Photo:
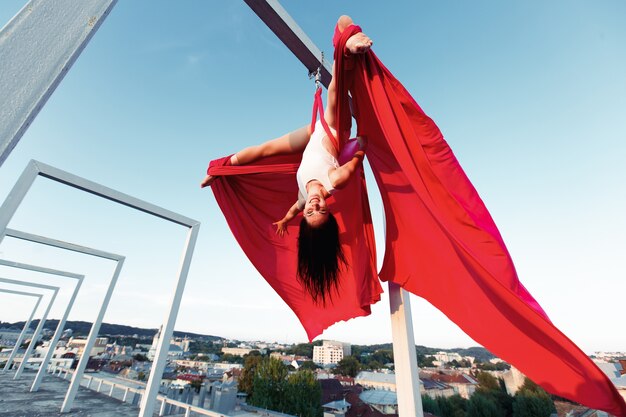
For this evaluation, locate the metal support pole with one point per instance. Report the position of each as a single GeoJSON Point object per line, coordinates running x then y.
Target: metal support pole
{"type": "Point", "coordinates": [125, 394]}
{"type": "Point", "coordinates": [405, 360]}
{"type": "Point", "coordinates": [91, 340]}
{"type": "Point", "coordinates": [158, 364]}
{"type": "Point", "coordinates": [51, 34]}
{"type": "Point", "coordinates": [287, 30]}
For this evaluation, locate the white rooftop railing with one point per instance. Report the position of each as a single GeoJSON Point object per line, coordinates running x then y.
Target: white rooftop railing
{"type": "Point", "coordinates": [130, 394]}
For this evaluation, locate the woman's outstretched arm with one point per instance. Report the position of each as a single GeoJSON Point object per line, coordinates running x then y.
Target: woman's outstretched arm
{"type": "Point", "coordinates": [281, 225]}
{"type": "Point", "coordinates": [339, 177]}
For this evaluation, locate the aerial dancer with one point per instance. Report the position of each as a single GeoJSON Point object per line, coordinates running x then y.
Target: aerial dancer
{"type": "Point", "coordinates": [440, 243]}
{"type": "Point", "coordinates": [319, 176]}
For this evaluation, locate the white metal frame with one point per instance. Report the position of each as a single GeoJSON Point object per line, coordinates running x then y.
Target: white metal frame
{"type": "Point", "coordinates": [20, 338]}
{"type": "Point", "coordinates": [44, 317]}
{"type": "Point", "coordinates": [12, 203]}
{"type": "Point", "coordinates": [61, 326]}
{"type": "Point", "coordinates": [53, 34]}
{"type": "Point", "coordinates": [95, 328]}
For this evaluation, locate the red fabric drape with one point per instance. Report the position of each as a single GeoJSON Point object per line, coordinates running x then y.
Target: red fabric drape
{"type": "Point", "coordinates": [443, 245]}
{"type": "Point", "coordinates": [441, 242]}
{"type": "Point", "coordinates": [254, 196]}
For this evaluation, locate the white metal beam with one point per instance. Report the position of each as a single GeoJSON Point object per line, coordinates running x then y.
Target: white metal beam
{"type": "Point", "coordinates": [38, 47]}
{"type": "Point", "coordinates": [282, 24]}
{"type": "Point", "coordinates": [404, 356]}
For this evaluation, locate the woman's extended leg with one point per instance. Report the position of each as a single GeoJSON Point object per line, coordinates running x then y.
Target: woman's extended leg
{"type": "Point", "coordinates": [292, 142]}
{"type": "Point", "coordinates": [359, 43]}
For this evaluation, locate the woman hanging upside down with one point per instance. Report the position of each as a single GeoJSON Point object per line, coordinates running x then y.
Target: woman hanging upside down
{"type": "Point", "coordinates": [319, 176]}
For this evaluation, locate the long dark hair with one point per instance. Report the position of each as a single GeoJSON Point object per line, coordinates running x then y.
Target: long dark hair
{"type": "Point", "coordinates": [319, 258]}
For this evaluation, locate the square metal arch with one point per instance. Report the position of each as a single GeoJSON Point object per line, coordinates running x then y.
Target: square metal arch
{"type": "Point", "coordinates": [61, 326]}
{"type": "Point", "coordinates": [18, 342]}
{"type": "Point", "coordinates": [12, 203]}
{"type": "Point", "coordinates": [44, 317]}
{"type": "Point", "coordinates": [95, 328]}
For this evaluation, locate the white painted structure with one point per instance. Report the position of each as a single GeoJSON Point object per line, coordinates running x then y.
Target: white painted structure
{"type": "Point", "coordinates": [59, 331]}
{"type": "Point", "coordinates": [12, 203]}
{"type": "Point", "coordinates": [39, 45]}
{"type": "Point", "coordinates": [20, 338]}
{"type": "Point", "coordinates": [31, 346]}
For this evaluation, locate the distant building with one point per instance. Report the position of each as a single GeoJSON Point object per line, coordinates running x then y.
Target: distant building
{"type": "Point", "coordinates": [513, 379]}
{"type": "Point", "coordinates": [376, 380]}
{"type": "Point", "coordinates": [237, 351]}
{"type": "Point", "coordinates": [331, 352]}
{"type": "Point", "coordinates": [200, 365]}
{"type": "Point", "coordinates": [176, 349]}
{"type": "Point", "coordinates": [99, 346]}
{"type": "Point", "coordinates": [461, 383]}
{"type": "Point", "coordinates": [384, 401]}
{"type": "Point", "coordinates": [223, 397]}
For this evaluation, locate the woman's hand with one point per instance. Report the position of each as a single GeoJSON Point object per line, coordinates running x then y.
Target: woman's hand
{"type": "Point", "coordinates": [281, 227]}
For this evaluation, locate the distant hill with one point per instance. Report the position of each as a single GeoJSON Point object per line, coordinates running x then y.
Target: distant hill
{"type": "Point", "coordinates": [82, 328]}
{"type": "Point", "coordinates": [477, 352]}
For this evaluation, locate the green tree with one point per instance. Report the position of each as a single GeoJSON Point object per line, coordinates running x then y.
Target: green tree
{"type": "Point", "coordinates": [246, 380]}
{"type": "Point", "coordinates": [532, 401]}
{"type": "Point", "coordinates": [453, 406]}
{"type": "Point", "coordinates": [269, 383]}
{"type": "Point", "coordinates": [298, 393]}
{"type": "Point", "coordinates": [383, 356]}
{"type": "Point", "coordinates": [483, 405]}
{"type": "Point", "coordinates": [494, 389]}
{"type": "Point", "coordinates": [227, 357]}
{"type": "Point", "coordinates": [310, 365]}
{"type": "Point", "coordinates": [348, 366]}
{"type": "Point", "coordinates": [487, 382]}
{"type": "Point", "coordinates": [140, 358]}
{"type": "Point", "coordinates": [303, 395]}
{"type": "Point", "coordinates": [425, 361]}
{"type": "Point", "coordinates": [430, 406]}
{"type": "Point", "coordinates": [141, 376]}
{"type": "Point", "coordinates": [373, 365]}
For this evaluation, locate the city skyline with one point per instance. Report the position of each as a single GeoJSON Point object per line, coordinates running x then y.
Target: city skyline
{"type": "Point", "coordinates": [530, 98]}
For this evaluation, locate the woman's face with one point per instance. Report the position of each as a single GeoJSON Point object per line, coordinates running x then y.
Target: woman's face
{"type": "Point", "coordinates": [315, 210]}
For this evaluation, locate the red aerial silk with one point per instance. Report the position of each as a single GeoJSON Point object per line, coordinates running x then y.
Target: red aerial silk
{"type": "Point", "coordinates": [441, 242]}
{"type": "Point", "coordinates": [254, 196]}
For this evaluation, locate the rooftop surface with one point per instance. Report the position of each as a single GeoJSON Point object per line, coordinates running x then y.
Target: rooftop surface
{"type": "Point", "coordinates": [17, 401]}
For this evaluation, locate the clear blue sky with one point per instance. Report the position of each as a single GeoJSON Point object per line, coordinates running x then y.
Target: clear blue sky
{"type": "Point", "coordinates": [530, 95]}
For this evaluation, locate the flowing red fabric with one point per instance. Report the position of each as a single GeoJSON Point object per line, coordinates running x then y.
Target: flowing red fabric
{"type": "Point", "coordinates": [254, 196]}
{"type": "Point", "coordinates": [441, 242]}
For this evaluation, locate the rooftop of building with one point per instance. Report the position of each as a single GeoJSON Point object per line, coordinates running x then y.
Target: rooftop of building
{"type": "Point", "coordinates": [379, 397]}
{"type": "Point", "coordinates": [17, 400]}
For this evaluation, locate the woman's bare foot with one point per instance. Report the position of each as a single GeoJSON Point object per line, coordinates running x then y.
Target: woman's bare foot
{"type": "Point", "coordinates": [359, 43]}
{"type": "Point", "coordinates": [207, 181]}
